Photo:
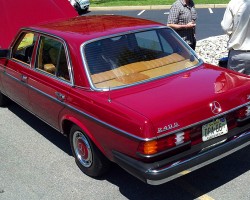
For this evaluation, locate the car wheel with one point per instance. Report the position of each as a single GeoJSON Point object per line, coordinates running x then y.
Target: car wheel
{"type": "Point", "coordinates": [87, 156]}
{"type": "Point", "coordinates": [3, 100]}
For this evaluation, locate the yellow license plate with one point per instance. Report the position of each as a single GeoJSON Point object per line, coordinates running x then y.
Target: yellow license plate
{"type": "Point", "coordinates": [214, 129]}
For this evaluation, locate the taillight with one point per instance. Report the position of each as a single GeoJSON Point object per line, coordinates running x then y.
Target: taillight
{"type": "Point", "coordinates": [163, 144]}
{"type": "Point", "coordinates": [243, 112]}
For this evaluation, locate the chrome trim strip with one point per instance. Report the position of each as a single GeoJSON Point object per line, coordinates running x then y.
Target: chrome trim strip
{"type": "Point", "coordinates": [78, 111]}
{"type": "Point", "coordinates": [127, 134]}
{"type": "Point", "coordinates": [84, 62]}
{"type": "Point", "coordinates": [15, 79]}
{"type": "Point", "coordinates": [31, 87]}
{"type": "Point", "coordinates": [48, 96]}
{"type": "Point", "coordinates": [24, 64]}
{"type": "Point", "coordinates": [120, 130]}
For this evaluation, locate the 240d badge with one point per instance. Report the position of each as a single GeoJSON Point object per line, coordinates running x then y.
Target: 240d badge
{"type": "Point", "coordinates": [168, 127]}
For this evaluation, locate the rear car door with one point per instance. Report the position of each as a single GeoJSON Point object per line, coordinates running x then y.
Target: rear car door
{"type": "Point", "coordinates": [51, 80]}
{"type": "Point", "coordinates": [18, 67]}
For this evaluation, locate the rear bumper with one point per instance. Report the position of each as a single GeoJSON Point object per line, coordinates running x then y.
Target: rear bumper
{"type": "Point", "coordinates": [156, 173]}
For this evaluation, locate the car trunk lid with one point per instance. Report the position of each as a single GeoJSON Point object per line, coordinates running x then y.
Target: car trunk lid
{"type": "Point", "coordinates": [185, 99]}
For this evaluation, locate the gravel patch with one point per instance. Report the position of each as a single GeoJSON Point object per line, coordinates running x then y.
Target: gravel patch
{"type": "Point", "coordinates": [212, 49]}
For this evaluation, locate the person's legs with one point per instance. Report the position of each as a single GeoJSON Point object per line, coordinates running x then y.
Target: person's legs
{"type": "Point", "coordinates": [239, 61]}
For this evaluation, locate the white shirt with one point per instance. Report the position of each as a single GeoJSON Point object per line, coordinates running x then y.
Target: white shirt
{"type": "Point", "coordinates": [236, 23]}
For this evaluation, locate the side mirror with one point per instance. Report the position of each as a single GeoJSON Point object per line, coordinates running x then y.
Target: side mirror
{"type": "Point", "coordinates": [4, 53]}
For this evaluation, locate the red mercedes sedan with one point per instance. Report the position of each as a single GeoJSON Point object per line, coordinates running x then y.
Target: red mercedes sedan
{"type": "Point", "coordinates": [128, 91]}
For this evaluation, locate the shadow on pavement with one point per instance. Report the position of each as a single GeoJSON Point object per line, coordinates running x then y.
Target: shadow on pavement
{"type": "Point", "coordinates": [42, 128]}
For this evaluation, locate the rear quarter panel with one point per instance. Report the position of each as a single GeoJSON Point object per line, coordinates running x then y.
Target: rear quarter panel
{"type": "Point", "coordinates": [109, 125]}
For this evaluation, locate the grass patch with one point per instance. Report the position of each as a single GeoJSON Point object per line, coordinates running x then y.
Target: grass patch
{"type": "Point", "coordinates": [148, 2]}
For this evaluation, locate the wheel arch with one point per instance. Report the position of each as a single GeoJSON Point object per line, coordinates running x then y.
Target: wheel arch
{"type": "Point", "coordinates": [68, 121]}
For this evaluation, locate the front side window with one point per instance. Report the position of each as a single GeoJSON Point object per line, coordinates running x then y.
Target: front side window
{"type": "Point", "coordinates": [23, 49]}
{"type": "Point", "coordinates": [136, 57]}
{"type": "Point", "coordinates": [51, 58]}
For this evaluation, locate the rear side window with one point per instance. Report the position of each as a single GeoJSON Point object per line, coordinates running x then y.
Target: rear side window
{"type": "Point", "coordinates": [23, 49]}
{"type": "Point", "coordinates": [51, 58]}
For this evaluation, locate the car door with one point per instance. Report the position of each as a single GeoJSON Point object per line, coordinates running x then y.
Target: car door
{"type": "Point", "coordinates": [18, 67]}
{"type": "Point", "coordinates": [51, 80]}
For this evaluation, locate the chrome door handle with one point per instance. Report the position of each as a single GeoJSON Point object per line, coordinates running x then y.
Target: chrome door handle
{"type": "Point", "coordinates": [24, 78]}
{"type": "Point", "coordinates": [60, 96]}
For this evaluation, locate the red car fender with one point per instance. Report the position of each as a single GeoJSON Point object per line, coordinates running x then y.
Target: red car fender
{"type": "Point", "coordinates": [77, 122]}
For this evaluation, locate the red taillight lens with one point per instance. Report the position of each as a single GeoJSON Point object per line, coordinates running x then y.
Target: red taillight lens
{"type": "Point", "coordinates": [243, 112]}
{"type": "Point", "coordinates": [162, 144]}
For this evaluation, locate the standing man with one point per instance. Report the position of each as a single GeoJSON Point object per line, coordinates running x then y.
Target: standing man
{"type": "Point", "coordinates": [182, 17]}
{"type": "Point", "coordinates": [236, 24]}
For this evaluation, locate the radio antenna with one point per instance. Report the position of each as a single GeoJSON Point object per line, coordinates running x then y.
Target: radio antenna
{"type": "Point", "coordinates": [109, 98]}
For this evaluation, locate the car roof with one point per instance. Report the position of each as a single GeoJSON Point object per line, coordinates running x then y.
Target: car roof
{"type": "Point", "coordinates": [84, 28]}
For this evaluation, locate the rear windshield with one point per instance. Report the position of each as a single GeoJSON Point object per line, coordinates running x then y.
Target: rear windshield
{"type": "Point", "coordinates": [137, 57]}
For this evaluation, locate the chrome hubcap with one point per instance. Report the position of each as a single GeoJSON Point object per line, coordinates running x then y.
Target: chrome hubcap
{"type": "Point", "coordinates": [82, 149]}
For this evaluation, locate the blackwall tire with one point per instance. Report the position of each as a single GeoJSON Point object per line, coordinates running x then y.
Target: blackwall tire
{"type": "Point", "coordinates": [87, 156]}
{"type": "Point", "coordinates": [3, 100]}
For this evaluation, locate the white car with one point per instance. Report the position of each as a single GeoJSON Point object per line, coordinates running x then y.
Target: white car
{"type": "Point", "coordinates": [80, 5]}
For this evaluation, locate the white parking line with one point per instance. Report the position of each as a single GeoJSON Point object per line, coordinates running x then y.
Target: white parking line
{"type": "Point", "coordinates": [141, 12]}
{"type": "Point", "coordinates": [210, 10]}
{"type": "Point", "coordinates": [166, 13]}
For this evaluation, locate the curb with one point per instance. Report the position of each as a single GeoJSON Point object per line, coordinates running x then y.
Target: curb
{"type": "Point", "coordinates": [153, 7]}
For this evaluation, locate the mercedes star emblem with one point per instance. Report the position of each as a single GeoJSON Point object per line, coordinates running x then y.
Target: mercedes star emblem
{"type": "Point", "coordinates": [215, 107]}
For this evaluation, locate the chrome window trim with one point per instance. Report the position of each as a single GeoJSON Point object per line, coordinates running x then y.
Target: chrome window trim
{"type": "Point", "coordinates": [70, 68]}
{"type": "Point", "coordinates": [13, 44]}
{"type": "Point", "coordinates": [24, 64]}
{"type": "Point", "coordinates": [85, 65]}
